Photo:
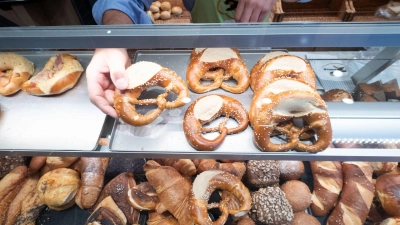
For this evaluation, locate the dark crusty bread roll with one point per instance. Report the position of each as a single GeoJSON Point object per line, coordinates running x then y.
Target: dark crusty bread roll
{"type": "Point", "coordinates": [302, 218]}
{"type": "Point", "coordinates": [298, 194]}
{"type": "Point", "coordinates": [336, 95]}
{"type": "Point", "coordinates": [328, 183]}
{"type": "Point", "coordinates": [391, 221]}
{"type": "Point", "coordinates": [357, 194]}
{"type": "Point", "coordinates": [290, 170]}
{"type": "Point", "coordinates": [388, 192]}
{"type": "Point", "coordinates": [270, 206]}
{"type": "Point", "coordinates": [262, 173]}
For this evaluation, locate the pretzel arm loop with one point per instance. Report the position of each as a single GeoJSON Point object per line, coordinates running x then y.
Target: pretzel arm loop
{"type": "Point", "coordinates": [320, 123]}
{"type": "Point", "coordinates": [262, 134]}
{"type": "Point", "coordinates": [239, 72]}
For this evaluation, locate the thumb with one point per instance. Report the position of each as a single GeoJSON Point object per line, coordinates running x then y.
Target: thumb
{"type": "Point", "coordinates": [118, 74]}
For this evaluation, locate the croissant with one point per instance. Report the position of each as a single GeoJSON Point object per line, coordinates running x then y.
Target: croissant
{"type": "Point", "coordinates": [173, 190]}
{"type": "Point", "coordinates": [235, 168]}
{"type": "Point", "coordinates": [185, 167]}
{"type": "Point", "coordinates": [92, 172]}
{"type": "Point", "coordinates": [161, 219]}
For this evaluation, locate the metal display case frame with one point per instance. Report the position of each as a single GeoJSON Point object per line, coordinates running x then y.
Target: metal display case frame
{"type": "Point", "coordinates": [187, 36]}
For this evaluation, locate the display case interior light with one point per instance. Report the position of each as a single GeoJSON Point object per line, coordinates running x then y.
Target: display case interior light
{"type": "Point", "coordinates": [366, 141]}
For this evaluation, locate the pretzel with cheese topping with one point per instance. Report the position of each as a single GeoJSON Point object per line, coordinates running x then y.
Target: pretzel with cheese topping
{"type": "Point", "coordinates": [207, 109]}
{"type": "Point", "coordinates": [14, 71]}
{"type": "Point", "coordinates": [227, 62]}
{"type": "Point", "coordinates": [143, 75]}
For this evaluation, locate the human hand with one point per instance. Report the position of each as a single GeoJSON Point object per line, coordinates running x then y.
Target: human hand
{"type": "Point", "coordinates": [105, 72]}
{"type": "Point", "coordinates": [253, 10]}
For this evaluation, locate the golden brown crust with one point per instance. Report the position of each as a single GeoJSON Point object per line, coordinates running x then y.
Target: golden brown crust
{"type": "Point", "coordinates": [173, 190]}
{"type": "Point", "coordinates": [220, 180]}
{"type": "Point", "coordinates": [267, 73]}
{"type": "Point", "coordinates": [17, 70]}
{"type": "Point", "coordinates": [57, 188]}
{"type": "Point", "coordinates": [185, 167]}
{"type": "Point", "coordinates": [238, 169]}
{"type": "Point", "coordinates": [231, 68]}
{"type": "Point", "coordinates": [125, 101]}
{"type": "Point", "coordinates": [164, 218]}
{"type": "Point", "coordinates": [60, 74]}
{"type": "Point", "coordinates": [302, 218]}
{"type": "Point", "coordinates": [192, 126]}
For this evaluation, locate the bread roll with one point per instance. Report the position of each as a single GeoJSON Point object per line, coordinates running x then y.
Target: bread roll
{"type": "Point", "coordinates": [290, 170]}
{"type": "Point", "coordinates": [154, 8]}
{"type": "Point", "coordinates": [165, 6]}
{"type": "Point", "coordinates": [165, 15]}
{"type": "Point", "coordinates": [298, 195]}
{"type": "Point", "coordinates": [262, 173]}
{"type": "Point", "coordinates": [391, 221]}
{"type": "Point", "coordinates": [302, 218]}
{"type": "Point", "coordinates": [176, 10]}
{"type": "Point", "coordinates": [388, 191]}
{"type": "Point", "coordinates": [157, 3]}
{"type": "Point", "coordinates": [337, 95]}
{"type": "Point", "coordinates": [270, 206]}
{"type": "Point", "coordinates": [156, 16]}
{"type": "Point", "coordinates": [57, 188]}
{"type": "Point", "coordinates": [14, 71]}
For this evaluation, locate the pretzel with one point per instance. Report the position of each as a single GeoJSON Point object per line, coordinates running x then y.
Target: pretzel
{"type": "Point", "coordinates": [271, 109]}
{"type": "Point", "coordinates": [205, 184]}
{"type": "Point", "coordinates": [284, 66]}
{"type": "Point", "coordinates": [143, 75]}
{"type": "Point", "coordinates": [14, 71]}
{"type": "Point", "coordinates": [205, 110]}
{"type": "Point", "coordinates": [227, 62]}
{"type": "Point", "coordinates": [60, 74]}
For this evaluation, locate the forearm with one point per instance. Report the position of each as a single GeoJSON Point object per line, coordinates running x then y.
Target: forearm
{"type": "Point", "coordinates": [113, 16]}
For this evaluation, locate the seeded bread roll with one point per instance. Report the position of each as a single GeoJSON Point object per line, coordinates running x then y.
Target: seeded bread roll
{"type": "Point", "coordinates": [270, 206]}
{"type": "Point", "coordinates": [8, 163]}
{"type": "Point", "coordinates": [262, 173]}
{"type": "Point", "coordinates": [290, 170]}
{"type": "Point", "coordinates": [298, 194]}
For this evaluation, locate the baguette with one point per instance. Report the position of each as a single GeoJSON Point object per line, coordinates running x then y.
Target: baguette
{"type": "Point", "coordinates": [357, 195]}
{"type": "Point", "coordinates": [328, 183]}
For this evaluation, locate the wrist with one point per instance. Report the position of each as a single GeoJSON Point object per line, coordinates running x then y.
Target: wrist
{"type": "Point", "coordinates": [113, 16]}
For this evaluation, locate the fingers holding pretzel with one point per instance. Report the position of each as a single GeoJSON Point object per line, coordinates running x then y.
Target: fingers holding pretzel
{"type": "Point", "coordinates": [206, 109]}
{"type": "Point", "coordinates": [141, 76]}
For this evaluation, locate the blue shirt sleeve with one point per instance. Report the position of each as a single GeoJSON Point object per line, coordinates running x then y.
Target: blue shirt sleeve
{"type": "Point", "coordinates": [189, 4]}
{"type": "Point", "coordinates": [135, 9]}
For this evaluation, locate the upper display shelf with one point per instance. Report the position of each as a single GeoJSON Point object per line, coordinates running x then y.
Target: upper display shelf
{"type": "Point", "coordinates": [276, 35]}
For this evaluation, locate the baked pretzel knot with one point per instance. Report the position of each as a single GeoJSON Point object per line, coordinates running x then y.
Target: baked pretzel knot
{"type": "Point", "coordinates": [205, 184]}
{"type": "Point", "coordinates": [206, 109]}
{"type": "Point", "coordinates": [218, 65]}
{"type": "Point", "coordinates": [141, 76]}
{"type": "Point", "coordinates": [284, 91]}
{"type": "Point", "coordinates": [14, 71]}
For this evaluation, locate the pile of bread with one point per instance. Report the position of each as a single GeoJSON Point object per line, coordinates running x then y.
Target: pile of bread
{"type": "Point", "coordinates": [163, 10]}
{"type": "Point", "coordinates": [60, 74]}
{"type": "Point", "coordinates": [284, 91]}
{"type": "Point", "coordinates": [184, 191]}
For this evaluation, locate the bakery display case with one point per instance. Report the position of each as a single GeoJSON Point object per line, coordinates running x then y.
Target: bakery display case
{"type": "Point", "coordinates": [360, 59]}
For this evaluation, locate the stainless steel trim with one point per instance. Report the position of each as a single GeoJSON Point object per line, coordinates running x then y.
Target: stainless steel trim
{"type": "Point", "coordinates": [284, 35]}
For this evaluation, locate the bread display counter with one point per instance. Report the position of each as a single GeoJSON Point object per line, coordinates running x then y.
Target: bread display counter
{"type": "Point", "coordinates": [153, 168]}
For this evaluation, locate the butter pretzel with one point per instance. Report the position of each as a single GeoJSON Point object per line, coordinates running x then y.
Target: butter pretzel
{"type": "Point", "coordinates": [283, 66]}
{"type": "Point", "coordinates": [271, 109]}
{"type": "Point", "coordinates": [143, 75]}
{"type": "Point", "coordinates": [205, 184]}
{"type": "Point", "coordinates": [207, 109]}
{"type": "Point", "coordinates": [14, 71]}
{"type": "Point", "coordinates": [228, 64]}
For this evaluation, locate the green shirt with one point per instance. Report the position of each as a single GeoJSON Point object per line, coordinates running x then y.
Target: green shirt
{"type": "Point", "coordinates": [213, 11]}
